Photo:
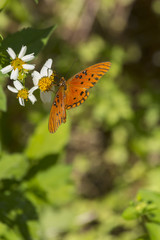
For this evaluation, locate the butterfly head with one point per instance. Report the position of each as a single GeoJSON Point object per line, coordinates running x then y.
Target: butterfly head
{"type": "Point", "coordinates": [63, 83]}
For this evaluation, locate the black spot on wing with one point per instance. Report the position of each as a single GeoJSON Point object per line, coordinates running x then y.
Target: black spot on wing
{"type": "Point", "coordinates": [84, 72]}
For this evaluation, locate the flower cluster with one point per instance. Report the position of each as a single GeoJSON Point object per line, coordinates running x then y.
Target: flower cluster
{"type": "Point", "coordinates": [19, 68]}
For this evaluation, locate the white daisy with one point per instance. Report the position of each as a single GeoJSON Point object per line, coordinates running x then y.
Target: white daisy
{"type": "Point", "coordinates": [18, 63]}
{"type": "Point", "coordinates": [44, 81]}
{"type": "Point", "coordinates": [22, 92]}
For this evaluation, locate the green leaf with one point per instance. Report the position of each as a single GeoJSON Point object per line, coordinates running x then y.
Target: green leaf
{"type": "Point", "coordinates": [149, 196]}
{"type": "Point", "coordinates": [147, 204]}
{"type": "Point", "coordinates": [34, 39]}
{"type": "Point", "coordinates": [130, 213]}
{"type": "Point", "coordinates": [36, 1]}
{"type": "Point", "coordinates": [1, 38]}
{"type": "Point", "coordinates": [56, 183]}
{"type": "Point", "coordinates": [43, 143]}
{"type": "Point", "coordinates": [152, 199]}
{"type": "Point", "coordinates": [13, 166]}
{"type": "Point", "coordinates": [3, 3]}
{"type": "Point", "coordinates": [153, 230]}
{"type": "Point", "coordinates": [3, 105]}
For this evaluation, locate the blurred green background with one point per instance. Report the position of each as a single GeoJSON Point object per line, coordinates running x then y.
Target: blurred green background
{"type": "Point", "coordinates": [100, 169]}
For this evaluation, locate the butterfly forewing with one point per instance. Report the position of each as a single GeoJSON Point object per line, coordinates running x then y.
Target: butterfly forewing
{"type": "Point", "coordinates": [58, 112]}
{"type": "Point", "coordinates": [77, 86]}
{"type": "Point", "coordinates": [89, 77]}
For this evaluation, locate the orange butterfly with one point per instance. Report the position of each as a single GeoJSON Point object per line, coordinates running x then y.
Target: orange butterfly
{"type": "Point", "coordinates": [73, 92]}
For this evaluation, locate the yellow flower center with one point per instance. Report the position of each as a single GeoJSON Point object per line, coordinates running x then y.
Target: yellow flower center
{"type": "Point", "coordinates": [52, 76]}
{"type": "Point", "coordinates": [23, 93]}
{"type": "Point", "coordinates": [45, 83]}
{"type": "Point", "coordinates": [17, 63]}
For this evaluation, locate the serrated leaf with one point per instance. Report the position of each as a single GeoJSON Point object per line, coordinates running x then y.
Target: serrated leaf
{"type": "Point", "coordinates": [13, 166]}
{"type": "Point", "coordinates": [43, 143]}
{"type": "Point", "coordinates": [34, 39]}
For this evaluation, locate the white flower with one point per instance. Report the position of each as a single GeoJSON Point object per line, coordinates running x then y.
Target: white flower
{"type": "Point", "coordinates": [22, 93]}
{"type": "Point", "coordinates": [44, 81]}
{"type": "Point", "coordinates": [18, 63]}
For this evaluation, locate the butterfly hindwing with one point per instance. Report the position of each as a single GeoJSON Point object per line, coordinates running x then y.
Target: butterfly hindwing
{"type": "Point", "coordinates": [75, 96]}
{"type": "Point", "coordinates": [77, 86]}
{"type": "Point", "coordinates": [58, 112]}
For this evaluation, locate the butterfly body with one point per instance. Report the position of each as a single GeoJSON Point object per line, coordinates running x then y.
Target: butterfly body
{"type": "Point", "coordinates": [73, 92]}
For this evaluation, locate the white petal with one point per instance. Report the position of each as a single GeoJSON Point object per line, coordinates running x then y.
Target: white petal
{"type": "Point", "coordinates": [6, 69]}
{"type": "Point", "coordinates": [36, 76]}
{"type": "Point", "coordinates": [50, 72]}
{"type": "Point", "coordinates": [35, 81]}
{"type": "Point", "coordinates": [22, 52]}
{"type": "Point", "coordinates": [14, 74]}
{"type": "Point", "coordinates": [18, 85]}
{"type": "Point", "coordinates": [12, 89]}
{"type": "Point", "coordinates": [32, 98]}
{"type": "Point", "coordinates": [48, 63]}
{"type": "Point", "coordinates": [28, 57]}
{"type": "Point", "coordinates": [45, 96]}
{"type": "Point", "coordinates": [33, 89]}
{"type": "Point", "coordinates": [44, 71]}
{"type": "Point", "coordinates": [11, 53]}
{"type": "Point", "coordinates": [28, 66]}
{"type": "Point", "coordinates": [21, 101]}
{"type": "Point", "coordinates": [46, 67]}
